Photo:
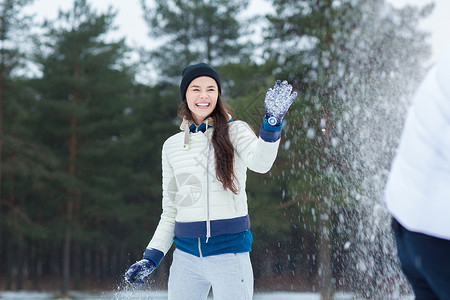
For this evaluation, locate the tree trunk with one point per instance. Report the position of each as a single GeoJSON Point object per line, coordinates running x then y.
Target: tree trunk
{"type": "Point", "coordinates": [20, 236]}
{"type": "Point", "coordinates": [20, 264]}
{"type": "Point", "coordinates": [70, 203]}
{"type": "Point", "coordinates": [34, 266]}
{"type": "Point", "coordinates": [12, 258]}
{"type": "Point", "coordinates": [98, 260]}
{"type": "Point", "coordinates": [67, 246]}
{"type": "Point", "coordinates": [73, 199]}
{"type": "Point", "coordinates": [9, 265]}
{"type": "Point", "coordinates": [77, 265]}
{"type": "Point", "coordinates": [1, 132]}
{"type": "Point", "coordinates": [325, 269]}
{"type": "Point", "coordinates": [1, 148]}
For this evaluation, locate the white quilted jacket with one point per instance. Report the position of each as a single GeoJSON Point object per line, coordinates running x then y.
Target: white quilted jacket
{"type": "Point", "coordinates": [418, 189]}
{"type": "Point", "coordinates": [191, 191]}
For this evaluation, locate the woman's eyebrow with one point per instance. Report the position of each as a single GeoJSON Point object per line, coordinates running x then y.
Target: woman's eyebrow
{"type": "Point", "coordinates": [197, 86]}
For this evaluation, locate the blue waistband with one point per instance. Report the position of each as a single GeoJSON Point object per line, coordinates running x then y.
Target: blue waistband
{"type": "Point", "coordinates": [221, 244]}
{"type": "Point", "coordinates": [218, 227]}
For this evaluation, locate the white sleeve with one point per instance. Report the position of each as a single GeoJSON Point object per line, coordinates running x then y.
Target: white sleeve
{"type": "Point", "coordinates": [163, 237]}
{"type": "Point", "coordinates": [257, 154]}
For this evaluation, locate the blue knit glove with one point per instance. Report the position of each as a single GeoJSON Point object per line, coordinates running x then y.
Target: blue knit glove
{"type": "Point", "coordinates": [277, 102]}
{"type": "Point", "coordinates": [138, 271]}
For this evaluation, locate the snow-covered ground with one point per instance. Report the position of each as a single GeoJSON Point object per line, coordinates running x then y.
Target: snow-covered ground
{"type": "Point", "coordinates": [160, 295]}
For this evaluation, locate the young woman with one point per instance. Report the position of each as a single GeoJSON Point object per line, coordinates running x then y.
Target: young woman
{"type": "Point", "coordinates": [204, 201]}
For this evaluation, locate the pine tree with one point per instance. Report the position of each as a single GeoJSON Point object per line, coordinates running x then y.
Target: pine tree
{"type": "Point", "coordinates": [84, 91]}
{"type": "Point", "coordinates": [195, 31]}
{"type": "Point", "coordinates": [11, 26]}
{"type": "Point", "coordinates": [13, 33]}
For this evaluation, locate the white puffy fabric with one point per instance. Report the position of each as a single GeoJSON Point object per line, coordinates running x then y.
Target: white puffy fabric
{"type": "Point", "coordinates": [418, 189]}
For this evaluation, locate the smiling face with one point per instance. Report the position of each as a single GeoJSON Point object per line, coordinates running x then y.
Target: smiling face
{"type": "Point", "coordinates": [201, 97]}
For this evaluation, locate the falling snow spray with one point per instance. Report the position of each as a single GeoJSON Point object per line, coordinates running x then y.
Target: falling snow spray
{"type": "Point", "coordinates": [377, 85]}
{"type": "Point", "coordinates": [372, 75]}
{"type": "Point", "coordinates": [126, 291]}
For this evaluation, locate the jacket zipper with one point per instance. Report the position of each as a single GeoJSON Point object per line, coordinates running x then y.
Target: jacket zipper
{"type": "Point", "coordinates": [208, 222]}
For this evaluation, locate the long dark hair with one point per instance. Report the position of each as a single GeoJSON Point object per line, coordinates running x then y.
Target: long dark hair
{"type": "Point", "coordinates": [223, 148]}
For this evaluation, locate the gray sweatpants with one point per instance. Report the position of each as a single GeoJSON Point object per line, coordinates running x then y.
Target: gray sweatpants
{"type": "Point", "coordinates": [229, 275]}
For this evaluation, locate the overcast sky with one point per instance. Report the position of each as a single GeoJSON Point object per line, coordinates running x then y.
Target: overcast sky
{"type": "Point", "coordinates": [438, 23]}
{"type": "Point", "coordinates": [131, 25]}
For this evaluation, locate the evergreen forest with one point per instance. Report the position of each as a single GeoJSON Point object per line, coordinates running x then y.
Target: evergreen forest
{"type": "Point", "coordinates": [81, 136]}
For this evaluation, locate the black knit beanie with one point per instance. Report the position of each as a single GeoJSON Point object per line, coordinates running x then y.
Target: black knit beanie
{"type": "Point", "coordinates": [193, 71]}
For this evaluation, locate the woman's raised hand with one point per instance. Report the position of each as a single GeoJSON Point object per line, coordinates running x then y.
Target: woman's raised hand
{"type": "Point", "coordinates": [277, 102]}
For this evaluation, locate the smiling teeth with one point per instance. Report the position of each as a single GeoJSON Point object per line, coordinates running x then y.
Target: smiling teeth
{"type": "Point", "coordinates": [203, 104]}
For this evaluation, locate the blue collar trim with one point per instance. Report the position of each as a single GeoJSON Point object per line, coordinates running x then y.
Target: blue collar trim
{"type": "Point", "coordinates": [193, 128]}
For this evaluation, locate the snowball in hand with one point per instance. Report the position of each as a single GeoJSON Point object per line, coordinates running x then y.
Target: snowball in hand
{"type": "Point", "coordinates": [138, 271]}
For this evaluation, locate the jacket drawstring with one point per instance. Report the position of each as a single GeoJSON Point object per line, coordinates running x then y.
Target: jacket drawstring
{"type": "Point", "coordinates": [186, 135]}
{"type": "Point", "coordinates": [186, 139]}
